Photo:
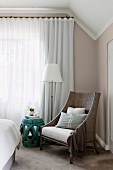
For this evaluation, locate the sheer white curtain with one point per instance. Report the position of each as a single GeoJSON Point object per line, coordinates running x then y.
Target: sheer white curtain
{"type": "Point", "coordinates": [26, 45]}
{"type": "Point", "coordinates": [21, 62]}
{"type": "Point", "coordinates": [58, 42]}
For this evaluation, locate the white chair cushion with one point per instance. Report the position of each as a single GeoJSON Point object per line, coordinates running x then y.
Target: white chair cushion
{"type": "Point", "coordinates": [59, 134]}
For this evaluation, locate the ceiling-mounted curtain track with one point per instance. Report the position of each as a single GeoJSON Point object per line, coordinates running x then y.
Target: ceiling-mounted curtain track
{"type": "Point", "coordinates": [33, 17]}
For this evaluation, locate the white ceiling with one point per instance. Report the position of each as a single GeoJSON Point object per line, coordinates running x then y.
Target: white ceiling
{"type": "Point", "coordinates": [94, 16]}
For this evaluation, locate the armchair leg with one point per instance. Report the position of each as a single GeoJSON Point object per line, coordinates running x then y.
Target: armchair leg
{"type": "Point", "coordinates": [40, 142]}
{"type": "Point", "coordinates": [71, 157]}
{"type": "Point", "coordinates": [95, 146]}
{"type": "Point", "coordinates": [14, 156]}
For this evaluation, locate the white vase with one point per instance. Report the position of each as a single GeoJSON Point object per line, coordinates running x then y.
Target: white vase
{"type": "Point", "coordinates": [31, 113]}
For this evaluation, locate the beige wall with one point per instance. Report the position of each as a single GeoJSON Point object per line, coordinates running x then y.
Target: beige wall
{"type": "Point", "coordinates": [101, 46]}
{"type": "Point", "coordinates": [86, 69]}
{"type": "Point", "coordinates": [91, 71]}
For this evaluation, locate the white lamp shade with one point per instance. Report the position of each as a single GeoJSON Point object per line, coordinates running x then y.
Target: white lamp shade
{"type": "Point", "coordinates": [52, 73]}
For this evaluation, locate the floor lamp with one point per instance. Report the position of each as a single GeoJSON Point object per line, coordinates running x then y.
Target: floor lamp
{"type": "Point", "coordinates": [52, 74]}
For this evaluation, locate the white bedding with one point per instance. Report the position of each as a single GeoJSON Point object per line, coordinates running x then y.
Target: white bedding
{"type": "Point", "coordinates": [9, 140]}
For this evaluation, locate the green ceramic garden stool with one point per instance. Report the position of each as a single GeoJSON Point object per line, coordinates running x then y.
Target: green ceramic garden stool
{"type": "Point", "coordinates": [30, 131]}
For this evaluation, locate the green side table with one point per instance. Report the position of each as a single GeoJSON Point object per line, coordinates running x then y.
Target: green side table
{"type": "Point", "coordinates": [29, 129]}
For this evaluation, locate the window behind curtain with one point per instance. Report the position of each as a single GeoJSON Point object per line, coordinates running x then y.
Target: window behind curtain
{"type": "Point", "coordinates": [21, 65]}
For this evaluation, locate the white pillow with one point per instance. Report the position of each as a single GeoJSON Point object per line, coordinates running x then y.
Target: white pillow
{"type": "Point", "coordinates": [79, 110]}
{"type": "Point", "coordinates": [71, 110]}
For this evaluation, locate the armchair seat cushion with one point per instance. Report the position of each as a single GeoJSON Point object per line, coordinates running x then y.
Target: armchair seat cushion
{"type": "Point", "coordinates": [59, 134]}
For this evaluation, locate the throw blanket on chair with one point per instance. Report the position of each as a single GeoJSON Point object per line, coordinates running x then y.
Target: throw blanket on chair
{"type": "Point", "coordinates": [77, 139]}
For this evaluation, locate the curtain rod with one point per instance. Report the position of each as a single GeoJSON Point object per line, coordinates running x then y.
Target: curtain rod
{"type": "Point", "coordinates": [33, 17]}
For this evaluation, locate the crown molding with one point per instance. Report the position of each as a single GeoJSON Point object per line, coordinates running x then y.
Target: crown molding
{"type": "Point", "coordinates": [71, 13]}
{"type": "Point", "coordinates": [32, 10]}
{"type": "Point", "coordinates": [109, 23]}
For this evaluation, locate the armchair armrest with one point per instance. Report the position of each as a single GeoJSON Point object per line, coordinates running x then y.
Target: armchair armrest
{"type": "Point", "coordinates": [53, 122]}
{"type": "Point", "coordinates": [81, 125]}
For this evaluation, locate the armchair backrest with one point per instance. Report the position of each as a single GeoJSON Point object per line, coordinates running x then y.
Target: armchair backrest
{"type": "Point", "coordinates": [83, 100]}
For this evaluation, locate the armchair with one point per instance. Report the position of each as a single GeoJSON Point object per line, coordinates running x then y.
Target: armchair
{"type": "Point", "coordinates": [76, 139]}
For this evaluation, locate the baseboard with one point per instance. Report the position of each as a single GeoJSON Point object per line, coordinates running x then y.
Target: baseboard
{"type": "Point", "coordinates": [102, 143]}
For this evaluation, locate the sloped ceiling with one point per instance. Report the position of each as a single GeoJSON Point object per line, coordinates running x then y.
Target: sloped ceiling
{"type": "Point", "coordinates": [94, 16]}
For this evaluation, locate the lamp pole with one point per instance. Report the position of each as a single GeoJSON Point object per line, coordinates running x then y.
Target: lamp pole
{"type": "Point", "coordinates": [52, 75]}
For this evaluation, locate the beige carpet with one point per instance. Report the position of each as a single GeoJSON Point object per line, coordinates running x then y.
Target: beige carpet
{"type": "Point", "coordinates": [54, 157]}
